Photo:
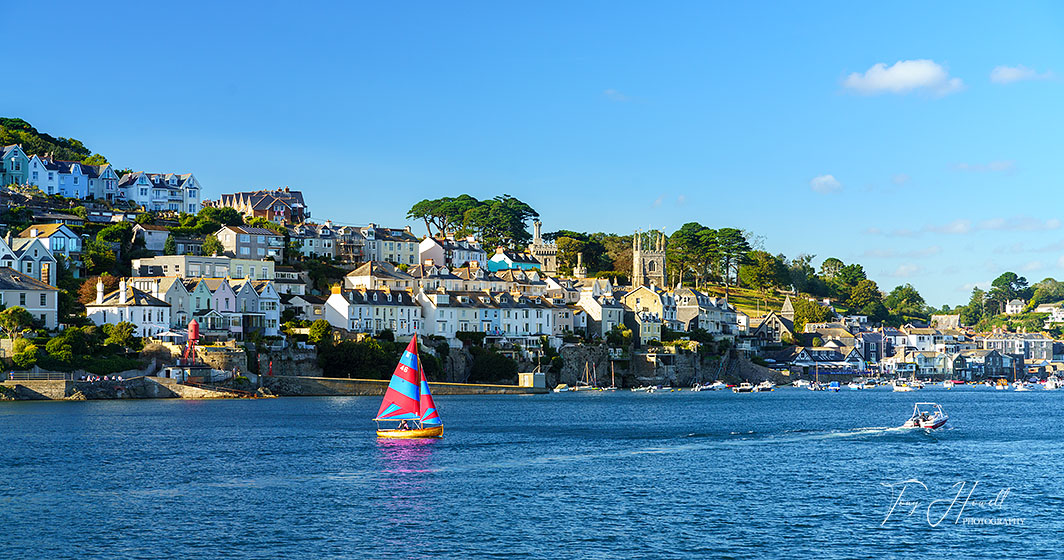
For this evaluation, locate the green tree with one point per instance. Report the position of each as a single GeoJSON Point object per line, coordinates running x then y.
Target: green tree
{"type": "Point", "coordinates": [1007, 287]}
{"type": "Point", "coordinates": [24, 354]}
{"type": "Point", "coordinates": [734, 252]}
{"type": "Point", "coordinates": [95, 159]}
{"type": "Point", "coordinates": [120, 334]}
{"type": "Point", "coordinates": [97, 257]}
{"type": "Point", "coordinates": [170, 246]}
{"type": "Point", "coordinates": [14, 320]}
{"type": "Point", "coordinates": [147, 218]}
{"type": "Point", "coordinates": [211, 245]}
{"type": "Point", "coordinates": [865, 293]}
{"type": "Point", "coordinates": [831, 267]}
{"type": "Point", "coordinates": [490, 367]}
{"type": "Point", "coordinates": [225, 216]}
{"type": "Point", "coordinates": [765, 272]}
{"type": "Point", "coordinates": [975, 311]}
{"type": "Point", "coordinates": [320, 333]}
{"type": "Point", "coordinates": [806, 311]}
{"type": "Point", "coordinates": [905, 302]}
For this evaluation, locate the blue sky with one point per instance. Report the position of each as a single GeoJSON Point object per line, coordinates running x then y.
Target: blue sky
{"type": "Point", "coordinates": [940, 167]}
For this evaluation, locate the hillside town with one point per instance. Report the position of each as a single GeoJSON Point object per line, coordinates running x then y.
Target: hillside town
{"type": "Point", "coordinates": [259, 267]}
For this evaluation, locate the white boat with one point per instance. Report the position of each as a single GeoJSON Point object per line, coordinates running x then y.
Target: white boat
{"type": "Point", "coordinates": [947, 384]}
{"type": "Point", "coordinates": [869, 384]}
{"type": "Point", "coordinates": [1053, 383]}
{"type": "Point", "coordinates": [802, 384]}
{"type": "Point", "coordinates": [765, 386]}
{"type": "Point", "coordinates": [643, 389]}
{"type": "Point", "coordinates": [901, 386]}
{"type": "Point", "coordinates": [855, 386]}
{"type": "Point", "coordinates": [1021, 386]}
{"type": "Point", "coordinates": [926, 415]}
{"type": "Point", "coordinates": [743, 387]}
{"type": "Point", "coordinates": [563, 388]}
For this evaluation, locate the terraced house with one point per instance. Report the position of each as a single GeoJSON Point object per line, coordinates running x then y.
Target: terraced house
{"type": "Point", "coordinates": [40, 299]}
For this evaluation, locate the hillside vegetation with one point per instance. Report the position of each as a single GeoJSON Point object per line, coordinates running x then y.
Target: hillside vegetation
{"type": "Point", "coordinates": [18, 131]}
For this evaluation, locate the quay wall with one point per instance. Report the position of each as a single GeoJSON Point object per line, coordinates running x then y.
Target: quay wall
{"type": "Point", "coordinates": [328, 386]}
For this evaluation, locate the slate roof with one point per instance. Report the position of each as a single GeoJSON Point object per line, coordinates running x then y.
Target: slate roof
{"type": "Point", "coordinates": [379, 269]}
{"type": "Point", "coordinates": [11, 279]}
{"type": "Point", "coordinates": [134, 298]}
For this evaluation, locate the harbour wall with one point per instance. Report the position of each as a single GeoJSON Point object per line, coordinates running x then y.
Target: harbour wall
{"type": "Point", "coordinates": [328, 386]}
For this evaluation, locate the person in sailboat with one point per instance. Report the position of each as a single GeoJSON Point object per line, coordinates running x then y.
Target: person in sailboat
{"type": "Point", "coordinates": [403, 425]}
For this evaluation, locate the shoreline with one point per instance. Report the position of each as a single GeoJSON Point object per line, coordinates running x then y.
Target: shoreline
{"type": "Point", "coordinates": [275, 386]}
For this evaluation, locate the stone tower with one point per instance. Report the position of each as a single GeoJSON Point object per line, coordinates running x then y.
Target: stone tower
{"type": "Point", "coordinates": [648, 259]}
{"type": "Point", "coordinates": [545, 253]}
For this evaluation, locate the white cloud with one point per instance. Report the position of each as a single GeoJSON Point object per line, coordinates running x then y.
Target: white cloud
{"type": "Point", "coordinates": [659, 200]}
{"type": "Point", "coordinates": [615, 95]}
{"type": "Point", "coordinates": [900, 179]}
{"type": "Point", "coordinates": [1032, 266]}
{"type": "Point", "coordinates": [681, 200]}
{"type": "Point", "coordinates": [1019, 223]}
{"type": "Point", "coordinates": [825, 184]}
{"type": "Point", "coordinates": [904, 76]}
{"type": "Point", "coordinates": [963, 226]}
{"type": "Point", "coordinates": [959, 226]}
{"type": "Point", "coordinates": [1010, 74]}
{"type": "Point", "coordinates": [894, 253]}
{"type": "Point", "coordinates": [905, 270]}
{"type": "Point", "coordinates": [994, 166]}
{"type": "Point", "coordinates": [984, 285]}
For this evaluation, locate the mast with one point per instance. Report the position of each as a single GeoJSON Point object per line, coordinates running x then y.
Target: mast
{"type": "Point", "coordinates": [613, 381]}
{"type": "Point", "coordinates": [594, 371]}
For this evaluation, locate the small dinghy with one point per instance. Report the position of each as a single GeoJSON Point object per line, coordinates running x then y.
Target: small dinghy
{"type": "Point", "coordinates": [926, 415]}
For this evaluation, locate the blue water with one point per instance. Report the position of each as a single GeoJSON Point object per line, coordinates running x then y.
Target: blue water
{"type": "Point", "coordinates": [790, 473]}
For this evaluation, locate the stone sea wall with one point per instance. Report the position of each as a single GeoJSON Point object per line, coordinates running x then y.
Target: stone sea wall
{"type": "Point", "coordinates": [327, 386]}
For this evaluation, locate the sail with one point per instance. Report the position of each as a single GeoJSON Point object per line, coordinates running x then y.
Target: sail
{"type": "Point", "coordinates": [402, 400]}
{"type": "Point", "coordinates": [429, 415]}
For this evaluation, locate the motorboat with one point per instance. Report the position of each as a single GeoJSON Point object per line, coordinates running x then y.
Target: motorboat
{"type": "Point", "coordinates": [765, 386]}
{"type": "Point", "coordinates": [854, 386]}
{"type": "Point", "coordinates": [1021, 386]}
{"type": "Point", "coordinates": [869, 384]}
{"type": "Point", "coordinates": [1053, 383]}
{"type": "Point", "coordinates": [743, 387]}
{"type": "Point", "coordinates": [926, 415]}
{"type": "Point", "coordinates": [643, 389]}
{"type": "Point", "coordinates": [901, 386]}
{"type": "Point", "coordinates": [834, 386]}
{"type": "Point", "coordinates": [802, 383]}
{"type": "Point", "coordinates": [562, 388]}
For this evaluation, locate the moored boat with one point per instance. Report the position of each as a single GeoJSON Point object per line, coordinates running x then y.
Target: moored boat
{"type": "Point", "coordinates": [765, 386]}
{"type": "Point", "coordinates": [408, 401]}
{"type": "Point", "coordinates": [561, 388]}
{"type": "Point", "coordinates": [1052, 383]}
{"type": "Point", "coordinates": [743, 387]}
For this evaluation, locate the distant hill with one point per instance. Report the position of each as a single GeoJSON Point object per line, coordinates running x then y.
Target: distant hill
{"type": "Point", "coordinates": [18, 131]}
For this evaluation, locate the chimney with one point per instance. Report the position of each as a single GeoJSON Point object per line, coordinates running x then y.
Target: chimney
{"type": "Point", "coordinates": [34, 232]}
{"type": "Point", "coordinates": [537, 226]}
{"type": "Point", "coordinates": [155, 289]}
{"type": "Point", "coordinates": [122, 292]}
{"type": "Point", "coordinates": [99, 291]}
{"type": "Point", "coordinates": [335, 288]}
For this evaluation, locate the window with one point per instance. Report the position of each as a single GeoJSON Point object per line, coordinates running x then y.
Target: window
{"type": "Point", "coordinates": [22, 299]}
{"type": "Point", "coordinates": [51, 176]}
{"type": "Point", "coordinates": [239, 271]}
{"type": "Point", "coordinates": [75, 180]}
{"type": "Point", "coordinates": [246, 250]}
{"type": "Point", "coordinates": [29, 268]}
{"type": "Point", "coordinates": [44, 300]}
{"type": "Point", "coordinates": [245, 238]}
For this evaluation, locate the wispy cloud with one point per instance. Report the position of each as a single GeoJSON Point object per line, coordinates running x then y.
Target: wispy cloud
{"type": "Point", "coordinates": [1019, 73]}
{"type": "Point", "coordinates": [900, 179]}
{"type": "Point", "coordinates": [894, 253]}
{"type": "Point", "coordinates": [904, 76]}
{"type": "Point", "coordinates": [964, 226]}
{"type": "Point", "coordinates": [615, 95]}
{"type": "Point", "coordinates": [985, 284]}
{"type": "Point", "coordinates": [906, 270]}
{"type": "Point", "coordinates": [1032, 266]}
{"type": "Point", "coordinates": [681, 200]}
{"type": "Point", "coordinates": [999, 166]}
{"type": "Point", "coordinates": [825, 184]}
{"type": "Point", "coordinates": [658, 201]}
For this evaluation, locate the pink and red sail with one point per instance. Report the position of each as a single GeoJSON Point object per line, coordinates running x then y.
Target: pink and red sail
{"type": "Point", "coordinates": [408, 396]}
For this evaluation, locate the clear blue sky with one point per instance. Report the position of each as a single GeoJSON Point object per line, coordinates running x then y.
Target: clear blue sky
{"type": "Point", "coordinates": [604, 116]}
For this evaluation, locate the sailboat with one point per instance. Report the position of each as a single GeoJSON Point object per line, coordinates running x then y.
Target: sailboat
{"type": "Point", "coordinates": [409, 402]}
{"type": "Point", "coordinates": [586, 382]}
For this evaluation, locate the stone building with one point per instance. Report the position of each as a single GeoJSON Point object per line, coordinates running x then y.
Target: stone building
{"type": "Point", "coordinates": [648, 258]}
{"type": "Point", "coordinates": [545, 253]}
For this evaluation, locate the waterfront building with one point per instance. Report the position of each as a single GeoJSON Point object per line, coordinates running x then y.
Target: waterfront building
{"type": "Point", "coordinates": [505, 259]}
{"type": "Point", "coordinates": [451, 252]}
{"type": "Point", "coordinates": [430, 277]}
{"type": "Point", "coordinates": [246, 242]}
{"type": "Point", "coordinates": [288, 280]}
{"type": "Point", "coordinates": [59, 239]}
{"type": "Point", "coordinates": [160, 192]}
{"type": "Point", "coordinates": [350, 244]}
{"type": "Point", "coordinates": [29, 256]}
{"type": "Point", "coordinates": [14, 165]}
{"type": "Point", "coordinates": [38, 298]}
{"type": "Point", "coordinates": [154, 236]}
{"type": "Point", "coordinates": [375, 310]}
{"type": "Point", "coordinates": [191, 266]}
{"type": "Point", "coordinates": [604, 312]}
{"type": "Point", "coordinates": [282, 206]}
{"type": "Point", "coordinates": [308, 307]}
{"type": "Point", "coordinates": [149, 314]}
{"type": "Point", "coordinates": [396, 246]}
{"type": "Point", "coordinates": [170, 289]}
{"type": "Point", "coordinates": [1032, 346]}
{"type": "Point", "coordinates": [659, 303]}
{"type": "Point", "coordinates": [375, 275]}
{"type": "Point", "coordinates": [314, 240]}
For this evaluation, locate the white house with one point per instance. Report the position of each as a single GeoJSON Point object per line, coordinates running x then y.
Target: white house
{"type": "Point", "coordinates": [154, 236]}
{"type": "Point", "coordinates": [149, 314]}
{"type": "Point", "coordinates": [40, 299]}
{"type": "Point", "coordinates": [60, 240]}
{"type": "Point", "coordinates": [161, 191]}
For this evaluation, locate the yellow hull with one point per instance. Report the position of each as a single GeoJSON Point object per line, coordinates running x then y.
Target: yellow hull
{"type": "Point", "coordinates": [436, 432]}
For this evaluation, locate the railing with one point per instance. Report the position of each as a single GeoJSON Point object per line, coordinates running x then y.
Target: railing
{"type": "Point", "coordinates": [38, 376]}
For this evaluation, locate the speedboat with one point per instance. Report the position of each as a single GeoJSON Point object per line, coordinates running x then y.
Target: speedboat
{"type": "Point", "coordinates": [854, 386]}
{"type": "Point", "coordinates": [926, 415]}
{"type": "Point", "coordinates": [801, 383]}
{"type": "Point", "coordinates": [743, 387]}
{"type": "Point", "coordinates": [765, 386]}
{"type": "Point", "coordinates": [563, 388]}
{"type": "Point", "coordinates": [869, 384]}
{"type": "Point", "coordinates": [1021, 386]}
{"type": "Point", "coordinates": [834, 386]}
{"type": "Point", "coordinates": [1053, 383]}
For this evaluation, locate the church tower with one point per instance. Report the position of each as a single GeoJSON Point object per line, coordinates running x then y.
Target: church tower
{"type": "Point", "coordinates": [648, 259]}
{"type": "Point", "coordinates": [545, 253]}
